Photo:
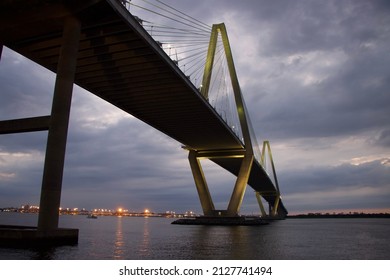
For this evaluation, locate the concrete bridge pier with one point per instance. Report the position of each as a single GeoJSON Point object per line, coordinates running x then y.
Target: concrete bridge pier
{"type": "Point", "coordinates": [58, 127]}
{"type": "Point", "coordinates": [58, 130]}
{"type": "Point", "coordinates": [47, 232]}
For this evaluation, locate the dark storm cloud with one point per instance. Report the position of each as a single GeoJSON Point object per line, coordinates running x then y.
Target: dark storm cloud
{"type": "Point", "coordinates": [345, 186]}
{"type": "Point", "coordinates": [288, 27]}
{"type": "Point", "coordinates": [26, 88]}
{"type": "Point", "coordinates": [338, 49]}
{"type": "Point", "coordinates": [351, 100]}
{"type": "Point", "coordinates": [373, 174]}
{"type": "Point", "coordinates": [383, 138]}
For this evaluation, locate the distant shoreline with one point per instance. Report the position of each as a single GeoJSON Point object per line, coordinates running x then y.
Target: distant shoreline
{"type": "Point", "coordinates": [169, 214]}
{"type": "Point", "coordinates": [328, 216]}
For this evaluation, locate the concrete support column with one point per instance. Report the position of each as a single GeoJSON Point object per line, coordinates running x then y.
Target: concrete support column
{"type": "Point", "coordinates": [201, 185]}
{"type": "Point", "coordinates": [240, 186]}
{"type": "Point", "coordinates": [258, 197]}
{"type": "Point", "coordinates": [58, 128]}
{"type": "Point", "coordinates": [276, 206]}
{"type": "Point", "coordinates": [269, 209]}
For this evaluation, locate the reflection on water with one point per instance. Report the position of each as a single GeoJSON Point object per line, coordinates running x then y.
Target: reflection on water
{"type": "Point", "coordinates": [210, 240]}
{"type": "Point", "coordinates": [43, 253]}
{"type": "Point", "coordinates": [239, 242]}
{"type": "Point", "coordinates": [119, 243]}
{"type": "Point", "coordinates": [156, 238]}
{"type": "Point", "coordinates": [144, 247]}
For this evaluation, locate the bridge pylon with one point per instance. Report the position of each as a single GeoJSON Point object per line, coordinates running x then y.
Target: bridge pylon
{"type": "Point", "coordinates": [274, 210]}
{"type": "Point", "coordinates": [239, 100]}
{"type": "Point", "coordinates": [246, 154]}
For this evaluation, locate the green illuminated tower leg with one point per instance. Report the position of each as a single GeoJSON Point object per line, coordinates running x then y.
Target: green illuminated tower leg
{"type": "Point", "coordinates": [201, 184]}
{"type": "Point", "coordinates": [240, 186]}
{"type": "Point", "coordinates": [261, 205]}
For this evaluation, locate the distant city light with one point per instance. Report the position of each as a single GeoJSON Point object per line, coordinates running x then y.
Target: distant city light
{"type": "Point", "coordinates": [119, 211]}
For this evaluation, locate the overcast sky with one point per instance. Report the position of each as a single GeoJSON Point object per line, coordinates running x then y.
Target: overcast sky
{"type": "Point", "coordinates": [316, 79]}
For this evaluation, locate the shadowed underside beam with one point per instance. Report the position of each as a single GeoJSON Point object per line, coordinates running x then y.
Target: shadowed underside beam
{"type": "Point", "coordinates": [24, 125]}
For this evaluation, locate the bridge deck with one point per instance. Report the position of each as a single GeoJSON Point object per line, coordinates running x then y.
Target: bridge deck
{"type": "Point", "coordinates": [121, 63]}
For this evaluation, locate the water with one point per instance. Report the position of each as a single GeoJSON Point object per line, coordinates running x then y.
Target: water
{"type": "Point", "coordinates": [155, 238]}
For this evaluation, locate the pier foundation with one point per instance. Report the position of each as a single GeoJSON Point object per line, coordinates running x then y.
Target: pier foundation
{"type": "Point", "coordinates": [30, 237]}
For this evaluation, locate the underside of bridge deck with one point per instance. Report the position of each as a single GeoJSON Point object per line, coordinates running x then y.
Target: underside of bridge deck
{"type": "Point", "coordinates": [100, 46]}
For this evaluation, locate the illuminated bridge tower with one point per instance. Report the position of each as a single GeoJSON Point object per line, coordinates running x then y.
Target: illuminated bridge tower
{"type": "Point", "coordinates": [246, 155]}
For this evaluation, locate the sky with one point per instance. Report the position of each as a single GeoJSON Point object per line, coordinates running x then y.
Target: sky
{"type": "Point", "coordinates": [315, 76]}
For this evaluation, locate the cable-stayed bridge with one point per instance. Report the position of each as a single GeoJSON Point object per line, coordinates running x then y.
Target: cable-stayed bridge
{"type": "Point", "coordinates": [174, 79]}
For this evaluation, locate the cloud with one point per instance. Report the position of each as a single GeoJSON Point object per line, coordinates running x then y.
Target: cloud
{"type": "Point", "coordinates": [383, 138]}
{"type": "Point", "coordinates": [26, 88]}
{"type": "Point", "coordinates": [349, 185]}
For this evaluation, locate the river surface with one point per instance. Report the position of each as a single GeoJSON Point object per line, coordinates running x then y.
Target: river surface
{"type": "Point", "coordinates": [151, 238]}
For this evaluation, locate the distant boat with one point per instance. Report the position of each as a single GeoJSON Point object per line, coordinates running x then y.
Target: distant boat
{"type": "Point", "coordinates": [92, 216]}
